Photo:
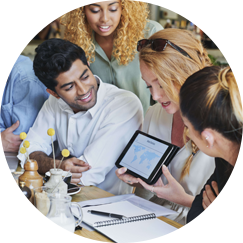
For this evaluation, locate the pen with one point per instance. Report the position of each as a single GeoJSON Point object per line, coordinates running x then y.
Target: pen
{"type": "Point", "coordinates": [111, 215]}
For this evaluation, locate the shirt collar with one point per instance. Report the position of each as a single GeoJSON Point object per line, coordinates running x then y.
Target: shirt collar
{"type": "Point", "coordinates": [64, 106]}
{"type": "Point", "coordinates": [99, 100]}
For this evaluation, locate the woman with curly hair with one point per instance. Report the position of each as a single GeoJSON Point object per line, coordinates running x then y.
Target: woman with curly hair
{"type": "Point", "coordinates": [108, 32]}
{"type": "Point", "coordinates": [167, 59]}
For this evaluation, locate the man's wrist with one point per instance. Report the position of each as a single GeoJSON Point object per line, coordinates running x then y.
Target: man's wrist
{"type": "Point", "coordinates": [1, 134]}
{"type": "Point", "coordinates": [81, 182]}
{"type": "Point", "coordinates": [57, 163]}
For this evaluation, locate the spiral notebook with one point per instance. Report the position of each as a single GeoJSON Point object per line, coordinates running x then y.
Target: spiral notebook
{"type": "Point", "coordinates": [140, 225]}
{"type": "Point", "coordinates": [124, 221]}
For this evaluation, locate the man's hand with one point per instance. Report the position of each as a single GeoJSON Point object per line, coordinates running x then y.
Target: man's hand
{"type": "Point", "coordinates": [76, 167]}
{"type": "Point", "coordinates": [11, 141]}
{"type": "Point", "coordinates": [173, 191]}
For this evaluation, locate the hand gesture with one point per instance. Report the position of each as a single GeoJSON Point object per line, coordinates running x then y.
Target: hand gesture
{"type": "Point", "coordinates": [129, 179]}
{"type": "Point", "coordinates": [76, 167]}
{"type": "Point", "coordinates": [10, 141]}
{"type": "Point", "coordinates": [173, 191]}
{"type": "Point", "coordinates": [208, 195]}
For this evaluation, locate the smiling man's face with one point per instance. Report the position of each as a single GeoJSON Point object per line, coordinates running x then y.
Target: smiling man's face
{"type": "Point", "coordinates": [77, 87]}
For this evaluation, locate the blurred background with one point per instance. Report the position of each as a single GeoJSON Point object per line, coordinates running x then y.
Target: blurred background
{"type": "Point", "coordinates": [180, 16]}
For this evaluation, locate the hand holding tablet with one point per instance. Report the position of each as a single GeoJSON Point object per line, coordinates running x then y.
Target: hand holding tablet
{"type": "Point", "coordinates": [144, 156]}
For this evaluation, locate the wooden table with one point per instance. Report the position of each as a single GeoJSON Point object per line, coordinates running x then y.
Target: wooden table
{"type": "Point", "coordinates": [86, 193]}
{"type": "Point", "coordinates": [91, 192]}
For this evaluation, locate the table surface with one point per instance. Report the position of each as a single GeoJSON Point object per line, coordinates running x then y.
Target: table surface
{"type": "Point", "coordinates": [84, 235]}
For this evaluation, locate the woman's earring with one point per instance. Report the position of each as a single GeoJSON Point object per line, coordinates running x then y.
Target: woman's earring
{"type": "Point", "coordinates": [206, 139]}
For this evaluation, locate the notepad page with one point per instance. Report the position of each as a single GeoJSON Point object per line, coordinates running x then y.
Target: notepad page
{"type": "Point", "coordinates": [132, 198]}
{"type": "Point", "coordinates": [124, 208]}
{"type": "Point", "coordinates": [137, 231]}
{"type": "Point", "coordinates": [128, 232]}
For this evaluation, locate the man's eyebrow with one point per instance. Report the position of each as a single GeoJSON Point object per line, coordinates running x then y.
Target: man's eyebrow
{"type": "Point", "coordinates": [97, 5]}
{"type": "Point", "coordinates": [85, 71]}
{"type": "Point", "coordinates": [64, 85]}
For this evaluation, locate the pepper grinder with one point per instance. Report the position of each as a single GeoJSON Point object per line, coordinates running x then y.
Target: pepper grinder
{"type": "Point", "coordinates": [31, 177]}
{"type": "Point", "coordinates": [25, 189]}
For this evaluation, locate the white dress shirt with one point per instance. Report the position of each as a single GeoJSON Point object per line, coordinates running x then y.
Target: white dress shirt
{"type": "Point", "coordinates": [97, 136]}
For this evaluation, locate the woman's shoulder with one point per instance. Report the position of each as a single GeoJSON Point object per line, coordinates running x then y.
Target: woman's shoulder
{"type": "Point", "coordinates": [154, 109]}
{"type": "Point", "coordinates": [155, 24]}
{"type": "Point", "coordinates": [157, 118]}
{"type": "Point", "coordinates": [152, 27]}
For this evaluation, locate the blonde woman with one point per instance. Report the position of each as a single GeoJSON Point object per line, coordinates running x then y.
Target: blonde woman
{"type": "Point", "coordinates": [216, 127]}
{"type": "Point", "coordinates": [108, 32]}
{"type": "Point", "coordinates": [167, 59]}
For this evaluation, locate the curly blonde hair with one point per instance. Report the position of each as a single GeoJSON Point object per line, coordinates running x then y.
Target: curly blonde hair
{"type": "Point", "coordinates": [130, 29]}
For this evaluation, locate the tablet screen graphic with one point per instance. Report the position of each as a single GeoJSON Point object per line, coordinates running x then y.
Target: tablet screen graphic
{"type": "Point", "coordinates": [143, 156]}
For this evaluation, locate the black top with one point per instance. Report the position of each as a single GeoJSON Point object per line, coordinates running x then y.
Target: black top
{"type": "Point", "coordinates": [230, 185]}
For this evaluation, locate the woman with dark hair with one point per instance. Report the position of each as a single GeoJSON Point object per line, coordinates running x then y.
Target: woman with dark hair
{"type": "Point", "coordinates": [216, 127]}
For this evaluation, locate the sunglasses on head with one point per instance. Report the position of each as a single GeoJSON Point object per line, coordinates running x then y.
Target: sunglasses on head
{"type": "Point", "coordinates": [159, 45]}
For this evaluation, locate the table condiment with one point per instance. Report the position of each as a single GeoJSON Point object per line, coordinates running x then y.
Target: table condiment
{"type": "Point", "coordinates": [42, 202]}
{"type": "Point", "coordinates": [31, 177]}
{"type": "Point", "coordinates": [56, 183]}
{"type": "Point", "coordinates": [25, 189]}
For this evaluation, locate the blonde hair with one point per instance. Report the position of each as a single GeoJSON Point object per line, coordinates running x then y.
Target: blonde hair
{"type": "Point", "coordinates": [173, 68]}
{"type": "Point", "coordinates": [170, 66]}
{"type": "Point", "coordinates": [186, 168]}
{"type": "Point", "coordinates": [227, 83]}
{"type": "Point", "coordinates": [130, 29]}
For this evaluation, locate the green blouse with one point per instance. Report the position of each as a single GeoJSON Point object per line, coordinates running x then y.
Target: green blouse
{"type": "Point", "coordinates": [125, 77]}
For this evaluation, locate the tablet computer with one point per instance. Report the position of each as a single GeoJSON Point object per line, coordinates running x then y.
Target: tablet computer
{"type": "Point", "coordinates": [144, 156]}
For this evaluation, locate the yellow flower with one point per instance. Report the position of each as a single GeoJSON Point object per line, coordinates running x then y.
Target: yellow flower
{"type": "Point", "coordinates": [51, 132]}
{"type": "Point", "coordinates": [65, 153]}
{"type": "Point", "coordinates": [22, 150]}
{"type": "Point", "coordinates": [26, 144]}
{"type": "Point", "coordinates": [22, 135]}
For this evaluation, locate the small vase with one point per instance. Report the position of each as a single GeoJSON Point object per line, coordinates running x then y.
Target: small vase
{"type": "Point", "coordinates": [56, 182]}
{"type": "Point", "coordinates": [31, 177]}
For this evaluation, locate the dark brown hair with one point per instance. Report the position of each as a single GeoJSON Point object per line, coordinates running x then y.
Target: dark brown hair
{"type": "Point", "coordinates": [210, 98]}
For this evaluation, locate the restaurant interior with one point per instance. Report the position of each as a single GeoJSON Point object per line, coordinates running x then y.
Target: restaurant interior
{"type": "Point", "coordinates": [197, 18]}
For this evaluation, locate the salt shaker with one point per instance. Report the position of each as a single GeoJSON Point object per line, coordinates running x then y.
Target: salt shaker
{"type": "Point", "coordinates": [25, 189]}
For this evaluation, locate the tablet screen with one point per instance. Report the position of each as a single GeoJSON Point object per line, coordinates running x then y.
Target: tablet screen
{"type": "Point", "coordinates": [143, 155]}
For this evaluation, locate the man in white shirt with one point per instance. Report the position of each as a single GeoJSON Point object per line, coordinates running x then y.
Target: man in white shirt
{"type": "Point", "coordinates": [92, 119]}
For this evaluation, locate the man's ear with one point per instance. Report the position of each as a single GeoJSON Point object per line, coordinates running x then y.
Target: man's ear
{"type": "Point", "coordinates": [208, 137]}
{"type": "Point", "coordinates": [51, 92]}
{"type": "Point", "coordinates": [88, 64]}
